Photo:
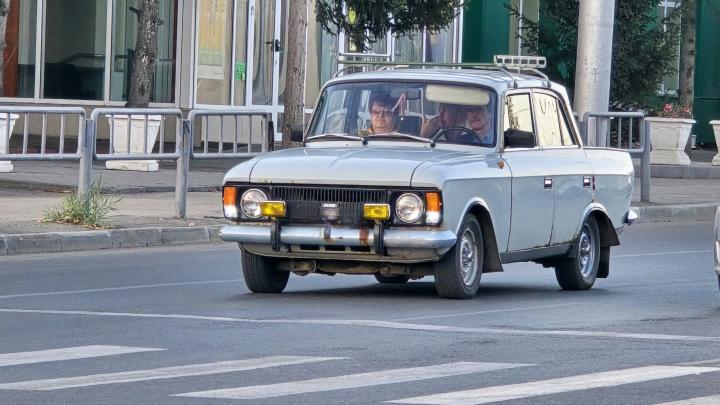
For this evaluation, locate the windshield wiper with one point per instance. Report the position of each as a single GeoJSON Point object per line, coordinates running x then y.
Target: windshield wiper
{"type": "Point", "coordinates": [335, 135]}
{"type": "Point", "coordinates": [402, 135]}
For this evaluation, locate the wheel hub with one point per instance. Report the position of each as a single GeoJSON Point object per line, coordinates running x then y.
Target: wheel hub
{"type": "Point", "coordinates": [468, 257]}
{"type": "Point", "coordinates": [586, 256]}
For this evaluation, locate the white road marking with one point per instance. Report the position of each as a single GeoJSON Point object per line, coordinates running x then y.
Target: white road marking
{"type": "Point", "coordinates": [557, 385]}
{"type": "Point", "coordinates": [162, 373]}
{"type": "Point", "coordinates": [131, 287]}
{"type": "Point", "coordinates": [711, 400]}
{"type": "Point", "coordinates": [381, 324]}
{"type": "Point", "coordinates": [68, 353]}
{"type": "Point", "coordinates": [488, 311]}
{"type": "Point", "coordinates": [684, 252]}
{"type": "Point", "coordinates": [701, 362]}
{"type": "Point", "coordinates": [351, 381]}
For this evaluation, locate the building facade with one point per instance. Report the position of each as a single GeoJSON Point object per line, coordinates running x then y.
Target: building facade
{"type": "Point", "coordinates": [230, 53]}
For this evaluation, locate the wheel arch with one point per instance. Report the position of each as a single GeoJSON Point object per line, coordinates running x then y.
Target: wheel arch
{"type": "Point", "coordinates": [491, 262]}
{"type": "Point", "coordinates": [608, 236]}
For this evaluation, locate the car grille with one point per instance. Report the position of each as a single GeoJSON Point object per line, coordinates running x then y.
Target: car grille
{"type": "Point", "coordinates": [304, 203]}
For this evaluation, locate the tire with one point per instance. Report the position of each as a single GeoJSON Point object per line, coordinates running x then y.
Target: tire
{"type": "Point", "coordinates": [580, 271]}
{"type": "Point", "coordinates": [260, 274]}
{"type": "Point", "coordinates": [391, 279]}
{"type": "Point", "coordinates": [457, 274]}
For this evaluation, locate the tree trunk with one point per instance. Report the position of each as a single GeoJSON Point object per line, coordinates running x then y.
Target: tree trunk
{"type": "Point", "coordinates": [143, 64]}
{"type": "Point", "coordinates": [686, 89]}
{"type": "Point", "coordinates": [4, 10]}
{"type": "Point", "coordinates": [295, 76]}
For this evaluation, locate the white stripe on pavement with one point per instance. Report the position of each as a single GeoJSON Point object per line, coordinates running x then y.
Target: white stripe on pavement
{"type": "Point", "coordinates": [557, 385]}
{"type": "Point", "coordinates": [711, 400]}
{"type": "Point", "coordinates": [162, 373]}
{"type": "Point", "coordinates": [684, 252]}
{"type": "Point", "coordinates": [487, 311]}
{"type": "Point", "coordinates": [381, 324]}
{"type": "Point", "coordinates": [130, 287]}
{"type": "Point", "coordinates": [351, 381]}
{"type": "Point", "coordinates": [68, 353]}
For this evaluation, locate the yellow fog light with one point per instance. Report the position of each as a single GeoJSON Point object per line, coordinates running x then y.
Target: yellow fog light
{"type": "Point", "coordinates": [275, 209]}
{"type": "Point", "coordinates": [376, 211]}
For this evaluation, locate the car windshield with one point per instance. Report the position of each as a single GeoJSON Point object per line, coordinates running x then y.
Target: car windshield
{"type": "Point", "coordinates": [442, 112]}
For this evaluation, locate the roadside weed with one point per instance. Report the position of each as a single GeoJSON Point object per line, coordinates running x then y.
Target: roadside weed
{"type": "Point", "coordinates": [72, 210]}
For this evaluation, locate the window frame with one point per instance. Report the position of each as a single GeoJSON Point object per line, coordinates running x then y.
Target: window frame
{"type": "Point", "coordinates": [564, 111]}
{"type": "Point", "coordinates": [501, 127]}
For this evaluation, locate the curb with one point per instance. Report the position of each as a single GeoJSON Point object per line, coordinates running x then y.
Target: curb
{"type": "Point", "coordinates": [56, 242]}
{"type": "Point", "coordinates": [675, 213]}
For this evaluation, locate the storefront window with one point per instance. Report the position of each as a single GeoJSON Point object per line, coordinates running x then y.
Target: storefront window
{"type": "Point", "coordinates": [264, 48]}
{"type": "Point", "coordinates": [240, 67]}
{"type": "Point", "coordinates": [75, 49]}
{"type": "Point", "coordinates": [214, 51]}
{"type": "Point", "coordinates": [125, 20]}
{"type": "Point", "coordinates": [19, 69]}
{"type": "Point", "coordinates": [408, 48]}
{"type": "Point", "coordinates": [439, 45]}
{"type": "Point", "coordinates": [321, 60]}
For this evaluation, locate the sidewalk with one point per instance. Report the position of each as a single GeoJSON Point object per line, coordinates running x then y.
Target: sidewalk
{"type": "Point", "coordinates": [144, 215]}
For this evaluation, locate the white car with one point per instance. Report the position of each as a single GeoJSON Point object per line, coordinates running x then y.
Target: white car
{"type": "Point", "coordinates": [443, 193]}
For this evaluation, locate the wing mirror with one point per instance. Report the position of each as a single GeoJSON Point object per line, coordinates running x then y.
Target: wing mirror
{"type": "Point", "coordinates": [515, 138]}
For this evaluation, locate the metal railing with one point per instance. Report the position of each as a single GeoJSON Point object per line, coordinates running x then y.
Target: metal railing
{"type": "Point", "coordinates": [621, 130]}
{"type": "Point", "coordinates": [251, 134]}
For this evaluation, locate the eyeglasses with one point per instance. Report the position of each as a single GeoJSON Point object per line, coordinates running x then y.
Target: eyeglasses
{"type": "Point", "coordinates": [377, 113]}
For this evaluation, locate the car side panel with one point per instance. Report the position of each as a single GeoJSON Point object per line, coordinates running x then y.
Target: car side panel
{"type": "Point", "coordinates": [614, 180]}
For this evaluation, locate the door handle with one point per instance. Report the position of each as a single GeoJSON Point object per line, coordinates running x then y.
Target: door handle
{"type": "Point", "coordinates": [275, 45]}
{"type": "Point", "coordinates": [586, 182]}
{"type": "Point", "coordinates": [548, 183]}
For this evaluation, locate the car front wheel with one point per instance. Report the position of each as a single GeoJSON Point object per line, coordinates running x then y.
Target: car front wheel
{"type": "Point", "coordinates": [261, 275]}
{"type": "Point", "coordinates": [579, 271]}
{"type": "Point", "coordinates": [457, 274]}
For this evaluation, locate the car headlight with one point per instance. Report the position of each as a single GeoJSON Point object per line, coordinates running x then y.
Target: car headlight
{"type": "Point", "coordinates": [409, 208]}
{"type": "Point", "coordinates": [250, 203]}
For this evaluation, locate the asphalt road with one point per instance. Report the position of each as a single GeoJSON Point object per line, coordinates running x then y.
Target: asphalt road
{"type": "Point", "coordinates": [178, 326]}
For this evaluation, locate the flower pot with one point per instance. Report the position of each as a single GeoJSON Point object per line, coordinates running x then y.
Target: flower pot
{"type": "Point", "coordinates": [137, 146]}
{"type": "Point", "coordinates": [6, 128]}
{"type": "Point", "coordinates": [669, 136]}
{"type": "Point", "coordinates": [716, 129]}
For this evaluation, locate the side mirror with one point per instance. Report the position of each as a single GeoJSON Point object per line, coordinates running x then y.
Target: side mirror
{"type": "Point", "coordinates": [515, 138]}
{"type": "Point", "coordinates": [296, 133]}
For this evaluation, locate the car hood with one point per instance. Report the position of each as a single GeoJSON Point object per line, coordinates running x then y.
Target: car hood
{"type": "Point", "coordinates": [380, 166]}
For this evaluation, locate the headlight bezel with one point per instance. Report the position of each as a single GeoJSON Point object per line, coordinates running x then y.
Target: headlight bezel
{"type": "Point", "coordinates": [241, 203]}
{"type": "Point", "coordinates": [418, 217]}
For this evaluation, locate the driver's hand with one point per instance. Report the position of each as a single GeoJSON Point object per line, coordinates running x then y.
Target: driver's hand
{"type": "Point", "coordinates": [430, 127]}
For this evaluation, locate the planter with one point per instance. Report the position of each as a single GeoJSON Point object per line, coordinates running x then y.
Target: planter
{"type": "Point", "coordinates": [6, 166]}
{"type": "Point", "coordinates": [137, 146]}
{"type": "Point", "coordinates": [716, 129]}
{"type": "Point", "coordinates": [669, 136]}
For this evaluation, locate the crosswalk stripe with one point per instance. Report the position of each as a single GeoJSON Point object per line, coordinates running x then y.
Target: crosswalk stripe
{"type": "Point", "coordinates": [711, 400]}
{"type": "Point", "coordinates": [556, 386]}
{"type": "Point", "coordinates": [352, 381]}
{"type": "Point", "coordinates": [162, 373]}
{"type": "Point", "coordinates": [68, 353]}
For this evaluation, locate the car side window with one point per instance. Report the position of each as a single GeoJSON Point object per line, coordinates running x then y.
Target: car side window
{"type": "Point", "coordinates": [517, 122]}
{"type": "Point", "coordinates": [553, 128]}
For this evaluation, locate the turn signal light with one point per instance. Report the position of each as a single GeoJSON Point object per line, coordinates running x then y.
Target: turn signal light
{"type": "Point", "coordinates": [229, 202]}
{"type": "Point", "coordinates": [376, 211]}
{"type": "Point", "coordinates": [273, 209]}
{"type": "Point", "coordinates": [433, 212]}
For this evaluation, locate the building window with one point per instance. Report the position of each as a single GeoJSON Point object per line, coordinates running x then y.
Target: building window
{"type": "Point", "coordinates": [529, 9]}
{"type": "Point", "coordinates": [75, 49]}
{"type": "Point", "coordinates": [671, 82]}
{"type": "Point", "coordinates": [214, 51]}
{"type": "Point", "coordinates": [125, 19]}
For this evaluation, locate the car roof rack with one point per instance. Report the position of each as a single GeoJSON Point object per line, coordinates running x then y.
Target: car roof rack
{"type": "Point", "coordinates": [502, 63]}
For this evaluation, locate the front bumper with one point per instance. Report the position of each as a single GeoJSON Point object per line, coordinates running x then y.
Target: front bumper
{"type": "Point", "coordinates": [337, 236]}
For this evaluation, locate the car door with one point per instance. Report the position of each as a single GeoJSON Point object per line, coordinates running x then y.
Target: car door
{"type": "Point", "coordinates": [533, 203]}
{"type": "Point", "coordinates": [572, 174]}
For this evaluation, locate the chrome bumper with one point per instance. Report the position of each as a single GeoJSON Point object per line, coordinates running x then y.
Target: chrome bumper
{"type": "Point", "coordinates": [316, 235]}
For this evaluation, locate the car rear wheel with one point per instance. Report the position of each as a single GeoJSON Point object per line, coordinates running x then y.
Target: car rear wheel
{"type": "Point", "coordinates": [457, 274]}
{"type": "Point", "coordinates": [391, 279]}
{"type": "Point", "coordinates": [261, 275]}
{"type": "Point", "coordinates": [580, 270]}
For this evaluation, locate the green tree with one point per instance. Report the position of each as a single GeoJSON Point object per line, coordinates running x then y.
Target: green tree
{"type": "Point", "coordinates": [644, 47]}
{"type": "Point", "coordinates": [364, 21]}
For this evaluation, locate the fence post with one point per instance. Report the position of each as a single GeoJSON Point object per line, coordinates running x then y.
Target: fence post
{"type": "Point", "coordinates": [183, 169]}
{"type": "Point", "coordinates": [645, 163]}
{"type": "Point", "coordinates": [87, 149]}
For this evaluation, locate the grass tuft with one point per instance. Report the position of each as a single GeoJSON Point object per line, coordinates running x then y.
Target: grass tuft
{"type": "Point", "coordinates": [72, 210]}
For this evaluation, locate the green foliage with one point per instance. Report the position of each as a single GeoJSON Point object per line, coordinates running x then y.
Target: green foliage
{"type": "Point", "coordinates": [73, 210]}
{"type": "Point", "coordinates": [644, 47]}
{"type": "Point", "coordinates": [368, 20]}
